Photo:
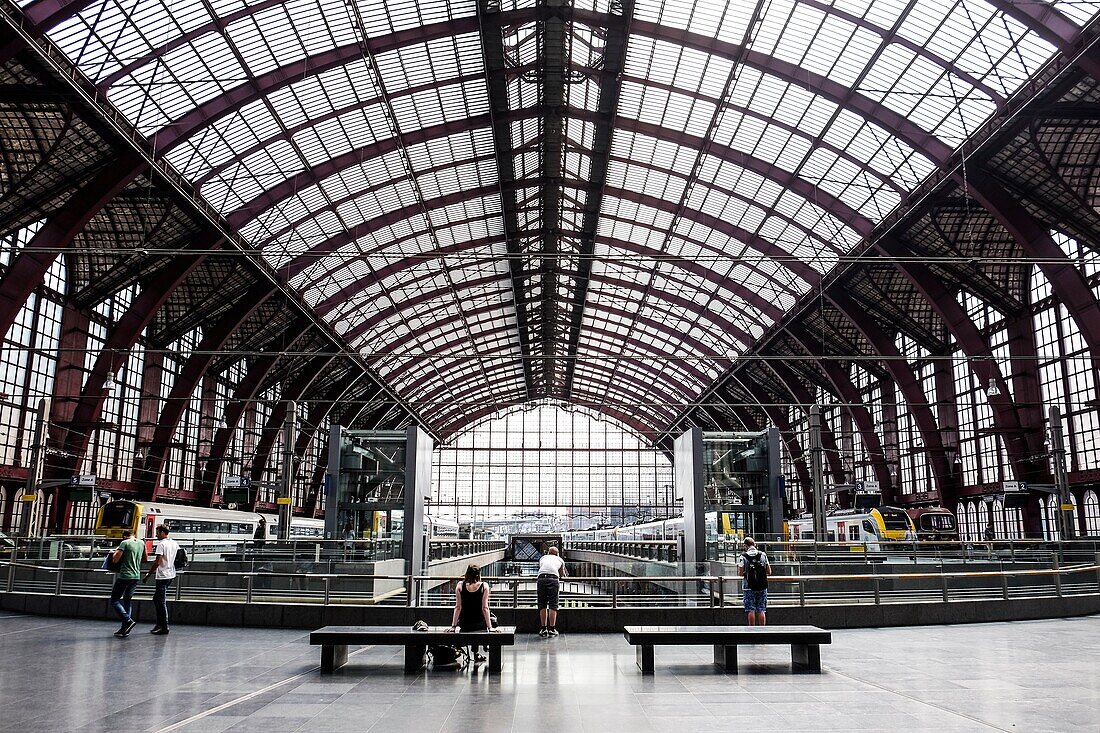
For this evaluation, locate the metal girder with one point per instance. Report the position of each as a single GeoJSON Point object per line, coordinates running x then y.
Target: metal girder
{"type": "Point", "coordinates": [274, 425]}
{"type": "Point", "coordinates": [114, 354]}
{"type": "Point", "coordinates": [1021, 441]}
{"type": "Point", "coordinates": [496, 77]}
{"type": "Point", "coordinates": [1035, 239]}
{"type": "Point", "coordinates": [33, 262]}
{"type": "Point", "coordinates": [552, 33]}
{"type": "Point", "coordinates": [214, 339]}
{"type": "Point", "coordinates": [1049, 23]}
{"type": "Point", "coordinates": [846, 390]}
{"type": "Point", "coordinates": [613, 61]}
{"type": "Point", "coordinates": [898, 366]}
{"type": "Point", "coordinates": [244, 393]}
{"type": "Point", "coordinates": [792, 382]}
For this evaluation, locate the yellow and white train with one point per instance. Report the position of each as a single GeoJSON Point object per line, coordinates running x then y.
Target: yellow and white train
{"type": "Point", "coordinates": [209, 528]}
{"type": "Point", "coordinates": [866, 528]}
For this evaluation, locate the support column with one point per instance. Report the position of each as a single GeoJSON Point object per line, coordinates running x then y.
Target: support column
{"type": "Point", "coordinates": [816, 478]}
{"type": "Point", "coordinates": [687, 467]}
{"type": "Point", "coordinates": [1058, 458]}
{"type": "Point", "coordinates": [34, 467]}
{"type": "Point", "coordinates": [290, 428]}
{"type": "Point", "coordinates": [418, 487]}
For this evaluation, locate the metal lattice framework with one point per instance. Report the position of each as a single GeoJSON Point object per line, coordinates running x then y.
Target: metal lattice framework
{"type": "Point", "coordinates": [610, 202]}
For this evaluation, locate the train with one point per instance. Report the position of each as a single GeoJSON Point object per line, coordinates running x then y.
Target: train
{"type": "Point", "coordinates": [213, 528]}
{"type": "Point", "coordinates": [657, 529]}
{"type": "Point", "coordinates": [935, 523]}
{"type": "Point", "coordinates": [882, 524]}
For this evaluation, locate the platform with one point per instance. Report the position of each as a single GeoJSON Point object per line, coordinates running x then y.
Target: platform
{"type": "Point", "coordinates": [72, 675]}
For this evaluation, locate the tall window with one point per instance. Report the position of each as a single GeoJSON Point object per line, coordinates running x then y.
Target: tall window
{"type": "Point", "coordinates": [547, 459]}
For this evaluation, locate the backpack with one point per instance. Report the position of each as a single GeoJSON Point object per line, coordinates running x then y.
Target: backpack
{"type": "Point", "coordinates": [181, 559]}
{"type": "Point", "coordinates": [443, 655]}
{"type": "Point", "coordinates": [756, 572]}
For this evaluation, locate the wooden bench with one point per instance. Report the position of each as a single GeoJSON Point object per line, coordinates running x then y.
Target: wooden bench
{"type": "Point", "coordinates": [805, 642]}
{"type": "Point", "coordinates": [335, 640]}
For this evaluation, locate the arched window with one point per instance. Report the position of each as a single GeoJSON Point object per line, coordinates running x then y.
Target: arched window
{"type": "Point", "coordinates": [1092, 514]}
{"type": "Point", "coordinates": [1049, 508]}
{"type": "Point", "coordinates": [3, 507]}
{"type": "Point", "coordinates": [1014, 523]}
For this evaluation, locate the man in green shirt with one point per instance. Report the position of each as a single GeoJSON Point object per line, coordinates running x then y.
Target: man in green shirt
{"type": "Point", "coordinates": [129, 555]}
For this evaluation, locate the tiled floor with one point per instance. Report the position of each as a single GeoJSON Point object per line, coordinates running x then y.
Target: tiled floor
{"type": "Point", "coordinates": [62, 675]}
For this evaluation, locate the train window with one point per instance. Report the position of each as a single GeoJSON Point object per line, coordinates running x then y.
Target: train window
{"type": "Point", "coordinates": [853, 533]}
{"type": "Point", "coordinates": [869, 527]}
{"type": "Point", "coordinates": [895, 520]}
{"type": "Point", "coordinates": [118, 515]}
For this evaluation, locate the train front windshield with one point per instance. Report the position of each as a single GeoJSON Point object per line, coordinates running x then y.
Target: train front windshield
{"type": "Point", "coordinates": [895, 520]}
{"type": "Point", "coordinates": [118, 514]}
{"type": "Point", "coordinates": [937, 523]}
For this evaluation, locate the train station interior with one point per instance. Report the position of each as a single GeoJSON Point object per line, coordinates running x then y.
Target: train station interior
{"type": "Point", "coordinates": [771, 326]}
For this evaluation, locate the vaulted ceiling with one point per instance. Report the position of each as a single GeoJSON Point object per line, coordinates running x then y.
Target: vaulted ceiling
{"type": "Point", "coordinates": [494, 202]}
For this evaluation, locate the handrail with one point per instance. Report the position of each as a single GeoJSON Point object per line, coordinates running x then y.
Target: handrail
{"type": "Point", "coordinates": [1068, 569]}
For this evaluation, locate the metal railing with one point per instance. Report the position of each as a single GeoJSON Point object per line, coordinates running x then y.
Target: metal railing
{"type": "Point", "coordinates": [514, 591]}
{"type": "Point", "coordinates": [75, 547]}
{"type": "Point", "coordinates": [659, 550]}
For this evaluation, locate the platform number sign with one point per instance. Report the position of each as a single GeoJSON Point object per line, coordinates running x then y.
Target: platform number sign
{"type": "Point", "coordinates": [235, 489]}
{"type": "Point", "coordinates": [81, 487]}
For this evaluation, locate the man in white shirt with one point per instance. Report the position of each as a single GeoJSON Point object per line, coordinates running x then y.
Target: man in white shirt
{"type": "Point", "coordinates": [551, 571]}
{"type": "Point", "coordinates": [164, 567]}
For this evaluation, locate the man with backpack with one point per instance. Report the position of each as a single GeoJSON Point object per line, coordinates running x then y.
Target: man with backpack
{"type": "Point", "coordinates": [754, 567]}
{"type": "Point", "coordinates": [168, 558]}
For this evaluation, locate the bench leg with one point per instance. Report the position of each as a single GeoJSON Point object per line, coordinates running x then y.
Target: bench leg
{"type": "Point", "coordinates": [333, 657]}
{"type": "Point", "coordinates": [414, 658]}
{"type": "Point", "coordinates": [726, 657]}
{"type": "Point", "coordinates": [806, 657]}
{"type": "Point", "coordinates": [645, 657]}
{"type": "Point", "coordinates": [494, 658]}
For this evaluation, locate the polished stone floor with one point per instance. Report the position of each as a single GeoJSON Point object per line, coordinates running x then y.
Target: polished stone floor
{"type": "Point", "coordinates": [71, 675]}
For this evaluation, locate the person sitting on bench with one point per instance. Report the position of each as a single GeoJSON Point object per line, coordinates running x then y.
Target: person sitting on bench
{"type": "Point", "coordinates": [472, 606]}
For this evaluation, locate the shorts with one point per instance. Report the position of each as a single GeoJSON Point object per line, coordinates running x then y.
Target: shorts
{"type": "Point", "coordinates": [756, 600]}
{"type": "Point", "coordinates": [547, 586]}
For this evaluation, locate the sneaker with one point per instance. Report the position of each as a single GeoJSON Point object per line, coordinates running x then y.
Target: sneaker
{"type": "Point", "coordinates": [551, 632]}
{"type": "Point", "coordinates": [127, 627]}
{"type": "Point", "coordinates": [159, 632]}
{"type": "Point", "coordinates": [544, 632]}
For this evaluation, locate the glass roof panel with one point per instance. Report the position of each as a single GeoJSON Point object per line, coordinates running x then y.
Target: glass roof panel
{"type": "Point", "coordinates": [743, 163]}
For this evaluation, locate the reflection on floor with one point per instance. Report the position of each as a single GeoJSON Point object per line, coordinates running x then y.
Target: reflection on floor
{"type": "Point", "coordinates": [61, 675]}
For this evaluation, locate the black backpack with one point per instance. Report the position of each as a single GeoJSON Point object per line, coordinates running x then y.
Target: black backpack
{"type": "Point", "coordinates": [181, 559]}
{"type": "Point", "coordinates": [443, 655]}
{"type": "Point", "coordinates": [756, 571]}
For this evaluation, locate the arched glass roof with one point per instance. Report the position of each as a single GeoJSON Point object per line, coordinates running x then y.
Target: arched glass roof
{"type": "Point", "coordinates": [598, 201]}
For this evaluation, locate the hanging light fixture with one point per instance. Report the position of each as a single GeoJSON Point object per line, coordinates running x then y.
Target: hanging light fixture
{"type": "Point", "coordinates": [993, 390]}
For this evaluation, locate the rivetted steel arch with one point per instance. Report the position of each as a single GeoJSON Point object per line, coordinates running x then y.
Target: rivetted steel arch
{"type": "Point", "coordinates": [214, 339]}
{"type": "Point", "coordinates": [977, 348]}
{"type": "Point", "coordinates": [351, 306]}
{"type": "Point", "coordinates": [601, 308]}
{"type": "Point", "coordinates": [845, 389]}
{"type": "Point", "coordinates": [785, 259]}
{"type": "Point", "coordinates": [376, 277]}
{"type": "Point", "coordinates": [271, 197]}
{"type": "Point", "coordinates": [659, 374]}
{"type": "Point", "coordinates": [420, 299]}
{"type": "Point", "coordinates": [906, 380]}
